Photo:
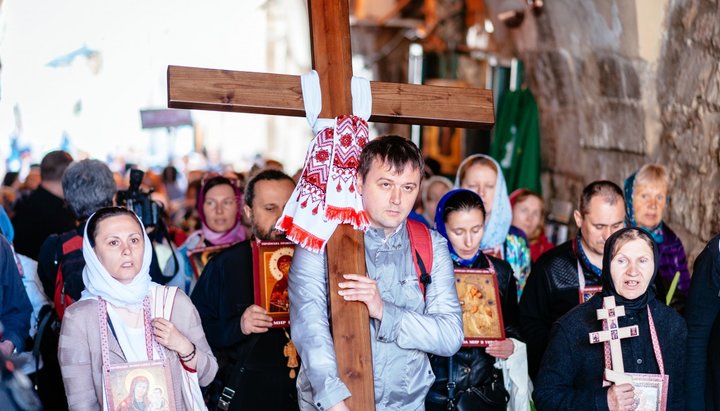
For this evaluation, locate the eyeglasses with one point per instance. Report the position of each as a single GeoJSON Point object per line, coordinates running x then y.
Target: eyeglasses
{"type": "Point", "coordinates": [225, 203]}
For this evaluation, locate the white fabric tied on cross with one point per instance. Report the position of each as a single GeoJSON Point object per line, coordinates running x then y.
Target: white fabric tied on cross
{"type": "Point", "coordinates": [326, 194]}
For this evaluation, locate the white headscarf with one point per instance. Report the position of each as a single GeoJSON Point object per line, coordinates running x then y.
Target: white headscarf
{"type": "Point", "coordinates": [99, 282]}
{"type": "Point", "coordinates": [498, 222]}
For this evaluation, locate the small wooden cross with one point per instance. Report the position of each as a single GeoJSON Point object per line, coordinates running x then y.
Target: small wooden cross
{"type": "Point", "coordinates": [279, 94]}
{"type": "Point", "coordinates": [612, 333]}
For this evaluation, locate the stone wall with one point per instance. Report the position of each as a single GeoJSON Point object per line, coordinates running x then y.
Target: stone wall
{"type": "Point", "coordinates": [620, 83]}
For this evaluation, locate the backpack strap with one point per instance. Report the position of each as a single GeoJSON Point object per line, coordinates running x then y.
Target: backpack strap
{"type": "Point", "coordinates": [422, 252]}
{"type": "Point", "coordinates": [67, 244]}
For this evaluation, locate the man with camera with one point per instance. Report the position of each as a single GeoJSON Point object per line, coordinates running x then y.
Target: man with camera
{"type": "Point", "coordinates": [254, 371]}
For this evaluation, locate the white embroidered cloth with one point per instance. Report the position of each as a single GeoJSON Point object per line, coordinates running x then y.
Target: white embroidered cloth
{"type": "Point", "coordinates": [326, 194]}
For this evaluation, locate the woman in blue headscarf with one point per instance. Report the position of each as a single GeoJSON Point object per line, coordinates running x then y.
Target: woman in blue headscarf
{"type": "Point", "coordinates": [460, 218]}
{"type": "Point", "coordinates": [482, 174]}
{"type": "Point", "coordinates": [646, 196]}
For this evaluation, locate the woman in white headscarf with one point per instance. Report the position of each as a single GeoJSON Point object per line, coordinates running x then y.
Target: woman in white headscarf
{"type": "Point", "coordinates": [483, 175]}
{"type": "Point", "coordinates": [111, 324]}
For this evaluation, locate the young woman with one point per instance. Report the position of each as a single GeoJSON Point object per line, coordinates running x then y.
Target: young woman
{"type": "Point", "coordinates": [482, 174]}
{"type": "Point", "coordinates": [111, 325]}
{"type": "Point", "coordinates": [219, 207]}
{"type": "Point", "coordinates": [528, 214]}
{"type": "Point", "coordinates": [572, 369]}
{"type": "Point", "coordinates": [460, 218]}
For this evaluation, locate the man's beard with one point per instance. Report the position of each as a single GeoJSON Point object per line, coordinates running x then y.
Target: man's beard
{"type": "Point", "coordinates": [269, 234]}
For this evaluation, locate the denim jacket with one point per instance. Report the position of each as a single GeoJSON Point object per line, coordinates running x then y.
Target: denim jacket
{"type": "Point", "coordinates": [412, 326]}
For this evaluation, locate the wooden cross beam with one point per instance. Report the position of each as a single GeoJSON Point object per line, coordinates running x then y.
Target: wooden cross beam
{"type": "Point", "coordinates": [612, 333]}
{"type": "Point", "coordinates": [262, 93]}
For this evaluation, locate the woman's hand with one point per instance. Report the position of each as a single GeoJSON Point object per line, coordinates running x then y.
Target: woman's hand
{"type": "Point", "coordinates": [167, 335]}
{"type": "Point", "coordinates": [362, 288]}
{"type": "Point", "coordinates": [501, 349]}
{"type": "Point", "coordinates": [621, 397]}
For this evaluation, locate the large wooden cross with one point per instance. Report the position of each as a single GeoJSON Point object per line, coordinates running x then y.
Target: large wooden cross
{"type": "Point", "coordinates": [613, 333]}
{"type": "Point", "coordinates": [278, 94]}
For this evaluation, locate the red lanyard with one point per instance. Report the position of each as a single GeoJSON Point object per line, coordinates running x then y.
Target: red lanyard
{"type": "Point", "coordinates": [655, 343]}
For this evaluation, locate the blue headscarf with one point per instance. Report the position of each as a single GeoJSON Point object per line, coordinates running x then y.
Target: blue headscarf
{"type": "Point", "coordinates": [497, 224]}
{"type": "Point", "coordinates": [628, 188]}
{"type": "Point", "coordinates": [442, 229]}
{"type": "Point", "coordinates": [6, 227]}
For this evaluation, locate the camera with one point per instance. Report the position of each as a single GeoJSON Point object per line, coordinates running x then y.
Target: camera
{"type": "Point", "coordinates": [139, 201]}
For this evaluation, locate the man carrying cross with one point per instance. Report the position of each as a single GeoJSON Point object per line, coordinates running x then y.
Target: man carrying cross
{"type": "Point", "coordinates": [405, 324]}
{"type": "Point", "coordinates": [640, 348]}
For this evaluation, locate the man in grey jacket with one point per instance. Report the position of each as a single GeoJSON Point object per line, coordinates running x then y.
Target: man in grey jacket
{"type": "Point", "coordinates": [404, 325]}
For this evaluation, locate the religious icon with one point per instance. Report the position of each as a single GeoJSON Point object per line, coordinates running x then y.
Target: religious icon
{"type": "Point", "coordinates": [595, 338]}
{"type": "Point", "coordinates": [650, 392]}
{"type": "Point", "coordinates": [611, 312]}
{"type": "Point", "coordinates": [480, 302]}
{"type": "Point", "coordinates": [614, 334]}
{"type": "Point", "coordinates": [633, 332]}
{"type": "Point", "coordinates": [140, 386]}
{"type": "Point", "coordinates": [272, 260]}
{"type": "Point", "coordinates": [613, 323]}
{"type": "Point", "coordinates": [587, 292]}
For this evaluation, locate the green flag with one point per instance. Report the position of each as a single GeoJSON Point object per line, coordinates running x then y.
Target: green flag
{"type": "Point", "coordinates": [516, 143]}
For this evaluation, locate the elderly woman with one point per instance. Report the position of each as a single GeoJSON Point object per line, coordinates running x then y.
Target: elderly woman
{"type": "Point", "coordinates": [571, 373]}
{"type": "Point", "coordinates": [528, 214]}
{"type": "Point", "coordinates": [483, 175]}
{"type": "Point", "coordinates": [219, 206]}
{"type": "Point", "coordinates": [646, 196]}
{"type": "Point", "coordinates": [111, 325]}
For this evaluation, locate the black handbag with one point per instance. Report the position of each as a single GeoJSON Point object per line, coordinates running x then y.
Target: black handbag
{"type": "Point", "coordinates": [490, 397]}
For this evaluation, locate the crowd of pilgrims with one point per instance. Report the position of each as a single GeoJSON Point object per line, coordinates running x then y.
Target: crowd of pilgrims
{"type": "Point", "coordinates": [59, 270]}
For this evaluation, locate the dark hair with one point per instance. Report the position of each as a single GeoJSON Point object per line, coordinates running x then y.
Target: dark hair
{"type": "Point", "coordinates": [463, 200]}
{"type": "Point", "coordinates": [53, 165]}
{"type": "Point", "coordinates": [394, 151]}
{"type": "Point", "coordinates": [433, 166]}
{"type": "Point", "coordinates": [104, 214]}
{"type": "Point", "coordinates": [88, 186]}
{"type": "Point", "coordinates": [213, 182]}
{"type": "Point", "coordinates": [10, 178]}
{"type": "Point", "coordinates": [609, 191]}
{"type": "Point", "coordinates": [169, 174]}
{"type": "Point", "coordinates": [269, 174]}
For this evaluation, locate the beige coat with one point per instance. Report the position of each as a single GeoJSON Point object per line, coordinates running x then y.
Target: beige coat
{"type": "Point", "coordinates": [81, 358]}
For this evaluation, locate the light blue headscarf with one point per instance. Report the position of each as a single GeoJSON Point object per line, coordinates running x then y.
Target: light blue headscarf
{"type": "Point", "coordinates": [497, 224]}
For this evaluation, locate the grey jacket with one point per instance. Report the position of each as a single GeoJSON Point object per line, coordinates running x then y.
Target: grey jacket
{"type": "Point", "coordinates": [410, 328]}
{"type": "Point", "coordinates": [81, 358]}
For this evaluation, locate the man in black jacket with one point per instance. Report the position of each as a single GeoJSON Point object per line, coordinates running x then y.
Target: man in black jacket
{"type": "Point", "coordinates": [555, 283]}
{"type": "Point", "coordinates": [702, 312]}
{"type": "Point", "coordinates": [251, 354]}
{"type": "Point", "coordinates": [44, 211]}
